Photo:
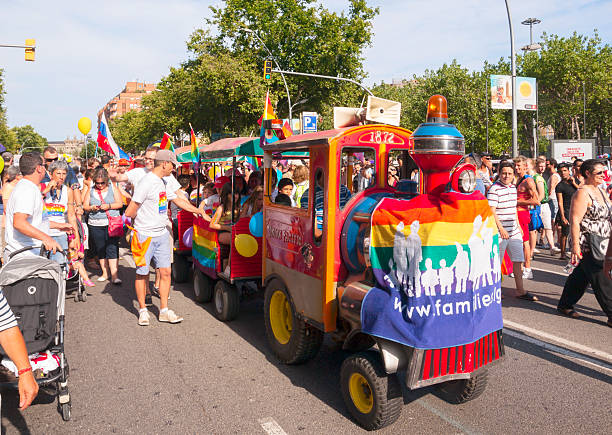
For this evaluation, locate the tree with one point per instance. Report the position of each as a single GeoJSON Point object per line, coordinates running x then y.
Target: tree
{"type": "Point", "coordinates": [7, 137]}
{"type": "Point", "coordinates": [28, 139]}
{"type": "Point", "coordinates": [89, 150]}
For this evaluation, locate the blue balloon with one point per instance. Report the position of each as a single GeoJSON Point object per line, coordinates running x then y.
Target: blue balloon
{"type": "Point", "coordinates": [256, 224]}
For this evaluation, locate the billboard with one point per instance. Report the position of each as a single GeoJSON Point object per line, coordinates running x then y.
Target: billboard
{"type": "Point", "coordinates": [501, 92]}
{"type": "Point", "coordinates": [564, 150]}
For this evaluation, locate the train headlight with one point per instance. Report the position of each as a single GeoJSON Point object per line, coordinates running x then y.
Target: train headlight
{"type": "Point", "coordinates": [464, 178]}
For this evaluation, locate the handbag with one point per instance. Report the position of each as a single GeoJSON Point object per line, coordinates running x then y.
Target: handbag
{"type": "Point", "coordinates": [598, 243]}
{"type": "Point", "coordinates": [115, 223]}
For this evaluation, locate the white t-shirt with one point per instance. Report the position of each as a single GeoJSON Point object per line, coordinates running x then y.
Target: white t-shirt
{"type": "Point", "coordinates": [56, 208]}
{"type": "Point", "coordinates": [152, 216]}
{"type": "Point", "coordinates": [26, 198]}
{"type": "Point", "coordinates": [137, 174]}
{"type": "Point", "coordinates": [210, 204]}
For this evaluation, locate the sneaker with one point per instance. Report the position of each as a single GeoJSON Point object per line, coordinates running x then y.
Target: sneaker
{"type": "Point", "coordinates": [148, 300]}
{"type": "Point", "coordinates": [554, 250]}
{"type": "Point", "coordinates": [511, 274]}
{"type": "Point", "coordinates": [536, 251]}
{"type": "Point", "coordinates": [170, 317]}
{"type": "Point", "coordinates": [527, 273]}
{"type": "Point", "coordinates": [143, 318]}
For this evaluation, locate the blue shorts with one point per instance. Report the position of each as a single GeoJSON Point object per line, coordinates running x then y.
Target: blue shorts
{"type": "Point", "coordinates": [160, 249]}
{"type": "Point", "coordinates": [58, 257]}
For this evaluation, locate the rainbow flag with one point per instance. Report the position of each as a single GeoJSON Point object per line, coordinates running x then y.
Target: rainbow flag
{"type": "Point", "coordinates": [166, 143]}
{"type": "Point", "coordinates": [204, 246]}
{"type": "Point", "coordinates": [194, 146]}
{"type": "Point", "coordinates": [436, 263]}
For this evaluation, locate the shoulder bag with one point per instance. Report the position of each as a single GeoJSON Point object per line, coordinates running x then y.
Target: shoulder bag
{"type": "Point", "coordinates": [115, 224]}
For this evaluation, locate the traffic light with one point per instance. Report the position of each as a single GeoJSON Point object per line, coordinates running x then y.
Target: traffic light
{"type": "Point", "coordinates": [267, 69]}
{"type": "Point", "coordinates": [29, 51]}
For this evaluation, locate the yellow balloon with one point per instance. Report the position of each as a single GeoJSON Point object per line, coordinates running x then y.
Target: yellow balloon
{"type": "Point", "coordinates": [84, 125]}
{"type": "Point", "coordinates": [1, 164]}
{"type": "Point", "coordinates": [246, 245]}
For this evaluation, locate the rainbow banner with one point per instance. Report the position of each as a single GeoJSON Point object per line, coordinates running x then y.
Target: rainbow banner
{"type": "Point", "coordinates": [436, 262]}
{"type": "Point", "coordinates": [204, 246]}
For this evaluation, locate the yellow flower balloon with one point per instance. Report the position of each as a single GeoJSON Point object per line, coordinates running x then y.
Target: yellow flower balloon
{"type": "Point", "coordinates": [84, 125]}
{"type": "Point", "coordinates": [1, 164]}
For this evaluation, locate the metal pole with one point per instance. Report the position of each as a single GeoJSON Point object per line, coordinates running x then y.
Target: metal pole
{"type": "Point", "coordinates": [246, 29]}
{"type": "Point", "coordinates": [320, 76]}
{"type": "Point", "coordinates": [487, 109]}
{"type": "Point", "coordinates": [513, 66]}
{"type": "Point", "coordinates": [583, 111]}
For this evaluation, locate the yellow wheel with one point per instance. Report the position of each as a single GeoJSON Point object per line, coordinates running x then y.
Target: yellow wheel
{"type": "Point", "coordinates": [281, 317]}
{"type": "Point", "coordinates": [361, 393]}
{"type": "Point", "coordinates": [292, 340]}
{"type": "Point", "coordinates": [373, 398]}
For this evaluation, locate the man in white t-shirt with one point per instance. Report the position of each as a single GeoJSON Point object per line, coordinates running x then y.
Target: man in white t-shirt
{"type": "Point", "coordinates": [26, 224]}
{"type": "Point", "coordinates": [134, 177]}
{"type": "Point", "coordinates": [149, 209]}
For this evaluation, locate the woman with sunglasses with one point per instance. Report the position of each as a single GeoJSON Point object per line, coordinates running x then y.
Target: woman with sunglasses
{"type": "Point", "coordinates": [103, 200]}
{"type": "Point", "coordinates": [392, 177]}
{"type": "Point", "coordinates": [589, 223]}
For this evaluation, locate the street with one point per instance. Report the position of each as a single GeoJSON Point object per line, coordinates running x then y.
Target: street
{"type": "Point", "coordinates": [204, 376]}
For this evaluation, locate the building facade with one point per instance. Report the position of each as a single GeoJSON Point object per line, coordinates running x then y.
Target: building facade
{"type": "Point", "coordinates": [129, 99]}
{"type": "Point", "coordinates": [71, 146]}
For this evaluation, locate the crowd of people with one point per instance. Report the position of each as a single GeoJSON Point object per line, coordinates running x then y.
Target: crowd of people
{"type": "Point", "coordinates": [564, 209]}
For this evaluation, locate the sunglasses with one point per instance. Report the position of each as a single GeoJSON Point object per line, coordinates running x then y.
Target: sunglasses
{"type": "Point", "coordinates": [99, 183]}
{"type": "Point", "coordinates": [52, 160]}
{"type": "Point", "coordinates": [599, 173]}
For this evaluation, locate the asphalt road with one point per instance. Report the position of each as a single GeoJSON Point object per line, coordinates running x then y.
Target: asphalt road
{"type": "Point", "coordinates": [204, 376]}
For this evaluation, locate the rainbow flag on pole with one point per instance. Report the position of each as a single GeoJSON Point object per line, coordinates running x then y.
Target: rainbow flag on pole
{"type": "Point", "coordinates": [166, 143]}
{"type": "Point", "coordinates": [194, 146]}
{"type": "Point", "coordinates": [436, 262]}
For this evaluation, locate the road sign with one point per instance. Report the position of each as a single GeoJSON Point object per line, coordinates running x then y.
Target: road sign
{"type": "Point", "coordinates": [309, 122]}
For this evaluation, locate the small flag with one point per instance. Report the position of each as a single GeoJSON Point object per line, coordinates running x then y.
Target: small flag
{"type": "Point", "coordinates": [194, 146]}
{"type": "Point", "coordinates": [166, 143]}
{"type": "Point", "coordinates": [106, 142]}
{"type": "Point", "coordinates": [268, 110]}
{"type": "Point", "coordinates": [267, 136]}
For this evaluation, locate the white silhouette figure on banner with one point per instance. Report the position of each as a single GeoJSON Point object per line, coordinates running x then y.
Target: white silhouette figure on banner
{"type": "Point", "coordinates": [477, 253]}
{"type": "Point", "coordinates": [446, 278]}
{"type": "Point", "coordinates": [414, 255]}
{"type": "Point", "coordinates": [400, 257]}
{"type": "Point", "coordinates": [496, 263]}
{"type": "Point", "coordinates": [429, 278]}
{"type": "Point", "coordinates": [487, 248]}
{"type": "Point", "coordinates": [462, 268]}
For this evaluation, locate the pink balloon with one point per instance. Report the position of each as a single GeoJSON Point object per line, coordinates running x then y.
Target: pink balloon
{"type": "Point", "coordinates": [188, 237]}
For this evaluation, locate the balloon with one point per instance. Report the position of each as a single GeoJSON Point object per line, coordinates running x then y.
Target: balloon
{"type": "Point", "coordinates": [256, 224]}
{"type": "Point", "coordinates": [246, 245]}
{"type": "Point", "coordinates": [84, 125]}
{"type": "Point", "coordinates": [1, 164]}
{"type": "Point", "coordinates": [188, 237]}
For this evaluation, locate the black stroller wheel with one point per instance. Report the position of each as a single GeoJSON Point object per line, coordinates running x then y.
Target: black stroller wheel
{"type": "Point", "coordinates": [66, 411]}
{"type": "Point", "coordinates": [83, 296]}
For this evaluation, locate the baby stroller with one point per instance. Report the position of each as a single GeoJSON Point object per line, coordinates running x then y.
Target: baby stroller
{"type": "Point", "coordinates": [74, 281]}
{"type": "Point", "coordinates": [35, 290]}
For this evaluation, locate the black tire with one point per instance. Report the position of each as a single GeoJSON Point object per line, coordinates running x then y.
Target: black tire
{"type": "Point", "coordinates": [226, 301]}
{"type": "Point", "coordinates": [299, 342]}
{"type": "Point", "coordinates": [180, 268]}
{"type": "Point", "coordinates": [66, 411]}
{"type": "Point", "coordinates": [77, 297]}
{"type": "Point", "coordinates": [373, 398]}
{"type": "Point", "coordinates": [202, 286]}
{"type": "Point", "coordinates": [463, 390]}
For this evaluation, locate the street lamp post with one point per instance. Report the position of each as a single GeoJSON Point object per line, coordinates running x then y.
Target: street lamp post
{"type": "Point", "coordinates": [513, 66]}
{"type": "Point", "coordinates": [252, 32]}
{"type": "Point", "coordinates": [533, 47]}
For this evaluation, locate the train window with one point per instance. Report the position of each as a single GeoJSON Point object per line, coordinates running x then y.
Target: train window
{"type": "Point", "coordinates": [289, 181]}
{"type": "Point", "coordinates": [319, 205]}
{"type": "Point", "coordinates": [357, 172]}
{"type": "Point", "coordinates": [401, 168]}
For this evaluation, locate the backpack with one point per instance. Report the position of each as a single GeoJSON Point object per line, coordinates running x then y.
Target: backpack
{"type": "Point", "coordinates": [537, 177]}
{"type": "Point", "coordinates": [34, 304]}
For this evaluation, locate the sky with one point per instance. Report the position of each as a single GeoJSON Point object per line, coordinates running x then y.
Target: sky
{"type": "Point", "coordinates": [87, 51]}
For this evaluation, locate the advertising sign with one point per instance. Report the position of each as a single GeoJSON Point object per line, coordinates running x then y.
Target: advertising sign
{"type": "Point", "coordinates": [564, 150]}
{"type": "Point", "coordinates": [501, 92]}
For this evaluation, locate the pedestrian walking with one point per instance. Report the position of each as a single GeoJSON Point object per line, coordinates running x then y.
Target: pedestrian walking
{"type": "Point", "coordinates": [591, 229]}
{"type": "Point", "coordinates": [564, 190]}
{"type": "Point", "coordinates": [103, 203]}
{"type": "Point", "coordinates": [545, 209]}
{"type": "Point", "coordinates": [26, 224]}
{"type": "Point", "coordinates": [527, 196]}
{"type": "Point", "coordinates": [502, 197]}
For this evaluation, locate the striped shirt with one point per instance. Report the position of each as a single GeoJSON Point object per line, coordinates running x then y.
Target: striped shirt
{"type": "Point", "coordinates": [504, 198]}
{"type": "Point", "coordinates": [7, 319]}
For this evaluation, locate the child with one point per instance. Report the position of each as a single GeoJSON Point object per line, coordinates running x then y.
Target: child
{"type": "Point", "coordinates": [285, 186]}
{"type": "Point", "coordinates": [211, 199]}
{"type": "Point", "coordinates": [76, 253]}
